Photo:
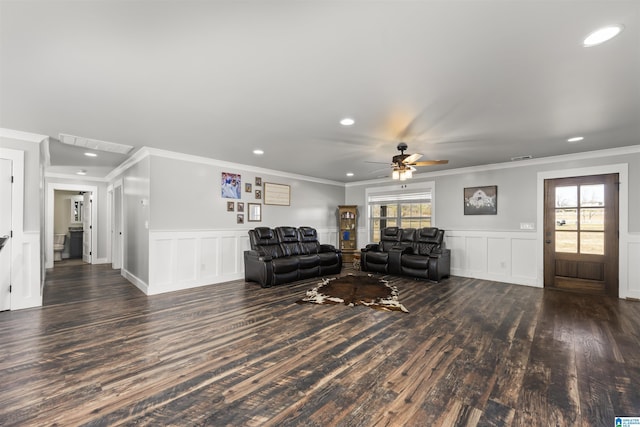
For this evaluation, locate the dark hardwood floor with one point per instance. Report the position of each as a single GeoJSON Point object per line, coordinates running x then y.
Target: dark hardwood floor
{"type": "Point", "coordinates": [469, 352]}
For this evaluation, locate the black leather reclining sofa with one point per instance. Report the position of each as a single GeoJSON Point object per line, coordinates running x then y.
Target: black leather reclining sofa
{"type": "Point", "coordinates": [287, 254]}
{"type": "Point", "coordinates": [408, 252]}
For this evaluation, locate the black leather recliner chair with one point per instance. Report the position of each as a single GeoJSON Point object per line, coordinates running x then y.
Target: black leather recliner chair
{"type": "Point", "coordinates": [426, 258]}
{"type": "Point", "coordinates": [375, 257]}
{"type": "Point", "coordinates": [409, 252]}
{"type": "Point", "coordinates": [287, 254]}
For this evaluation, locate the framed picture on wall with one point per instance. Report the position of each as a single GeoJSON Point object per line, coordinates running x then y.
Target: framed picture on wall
{"type": "Point", "coordinates": [258, 181]}
{"type": "Point", "coordinates": [258, 194]}
{"type": "Point", "coordinates": [240, 219]}
{"type": "Point", "coordinates": [481, 200]}
{"type": "Point", "coordinates": [231, 185]}
{"type": "Point", "coordinates": [230, 206]}
{"type": "Point", "coordinates": [247, 187]}
{"type": "Point", "coordinates": [240, 207]}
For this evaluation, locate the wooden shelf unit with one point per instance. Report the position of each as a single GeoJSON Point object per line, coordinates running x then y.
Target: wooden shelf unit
{"type": "Point", "coordinates": [348, 231]}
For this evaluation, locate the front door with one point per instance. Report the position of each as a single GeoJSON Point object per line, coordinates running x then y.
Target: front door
{"type": "Point", "coordinates": [5, 230]}
{"type": "Point", "coordinates": [581, 234]}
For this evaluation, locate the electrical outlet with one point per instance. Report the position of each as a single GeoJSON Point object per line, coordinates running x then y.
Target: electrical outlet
{"type": "Point", "coordinates": [527, 226]}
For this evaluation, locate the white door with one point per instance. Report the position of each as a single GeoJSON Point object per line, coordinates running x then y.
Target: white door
{"type": "Point", "coordinates": [87, 227]}
{"type": "Point", "coordinates": [5, 230]}
{"type": "Point", "coordinates": [116, 245]}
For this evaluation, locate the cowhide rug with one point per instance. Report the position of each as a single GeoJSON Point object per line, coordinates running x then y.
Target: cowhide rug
{"type": "Point", "coordinates": [356, 290]}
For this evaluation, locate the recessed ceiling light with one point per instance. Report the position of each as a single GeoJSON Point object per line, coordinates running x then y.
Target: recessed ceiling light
{"type": "Point", "coordinates": [258, 152]}
{"type": "Point", "coordinates": [81, 172]}
{"type": "Point", "coordinates": [347, 121]}
{"type": "Point", "coordinates": [349, 173]}
{"type": "Point", "coordinates": [91, 154]}
{"type": "Point", "coordinates": [575, 139]}
{"type": "Point", "coordinates": [602, 35]}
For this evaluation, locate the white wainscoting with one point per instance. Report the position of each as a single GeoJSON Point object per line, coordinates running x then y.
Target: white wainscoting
{"type": "Point", "coordinates": [632, 267]}
{"type": "Point", "coordinates": [187, 259]}
{"type": "Point", "coordinates": [25, 273]}
{"type": "Point", "coordinates": [505, 256]}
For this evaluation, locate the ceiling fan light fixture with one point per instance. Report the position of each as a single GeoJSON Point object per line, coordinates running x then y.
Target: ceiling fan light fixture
{"type": "Point", "coordinates": [395, 174]}
{"type": "Point", "coordinates": [602, 35]}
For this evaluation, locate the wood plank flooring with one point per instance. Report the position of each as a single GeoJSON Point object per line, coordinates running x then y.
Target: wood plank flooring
{"type": "Point", "coordinates": [468, 353]}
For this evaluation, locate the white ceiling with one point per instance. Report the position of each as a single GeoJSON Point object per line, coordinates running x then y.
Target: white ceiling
{"type": "Point", "coordinates": [475, 82]}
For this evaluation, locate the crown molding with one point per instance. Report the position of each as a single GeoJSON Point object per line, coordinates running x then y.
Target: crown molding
{"type": "Point", "coordinates": [74, 177]}
{"type": "Point", "coordinates": [22, 136]}
{"type": "Point", "coordinates": [148, 151]}
{"type": "Point", "coordinates": [609, 152]}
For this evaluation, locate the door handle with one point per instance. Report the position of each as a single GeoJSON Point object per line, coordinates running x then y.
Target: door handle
{"type": "Point", "coordinates": [547, 241]}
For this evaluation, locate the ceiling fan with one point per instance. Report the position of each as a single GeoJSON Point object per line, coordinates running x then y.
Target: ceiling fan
{"type": "Point", "coordinates": [404, 164]}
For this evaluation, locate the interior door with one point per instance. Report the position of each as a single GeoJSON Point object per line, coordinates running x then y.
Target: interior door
{"type": "Point", "coordinates": [116, 242]}
{"type": "Point", "coordinates": [581, 234]}
{"type": "Point", "coordinates": [87, 235]}
{"type": "Point", "coordinates": [5, 230]}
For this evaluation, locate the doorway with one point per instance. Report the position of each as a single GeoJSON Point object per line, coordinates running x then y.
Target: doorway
{"type": "Point", "coordinates": [581, 226]}
{"type": "Point", "coordinates": [5, 231]}
{"type": "Point", "coordinates": [90, 212]}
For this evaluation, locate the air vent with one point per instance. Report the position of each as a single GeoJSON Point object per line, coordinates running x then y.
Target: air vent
{"type": "Point", "coordinates": [515, 159]}
{"type": "Point", "coordinates": [94, 144]}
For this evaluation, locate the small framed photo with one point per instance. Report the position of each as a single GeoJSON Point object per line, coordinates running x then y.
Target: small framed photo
{"type": "Point", "coordinates": [240, 207]}
{"type": "Point", "coordinates": [247, 187]}
{"type": "Point", "coordinates": [240, 219]}
{"type": "Point", "coordinates": [258, 194]}
{"type": "Point", "coordinates": [258, 181]}
{"type": "Point", "coordinates": [230, 206]}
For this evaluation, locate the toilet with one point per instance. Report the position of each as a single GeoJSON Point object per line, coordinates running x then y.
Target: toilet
{"type": "Point", "coordinates": [58, 246]}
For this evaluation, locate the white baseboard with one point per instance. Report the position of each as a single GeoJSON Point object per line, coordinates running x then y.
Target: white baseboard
{"type": "Point", "coordinates": [140, 284]}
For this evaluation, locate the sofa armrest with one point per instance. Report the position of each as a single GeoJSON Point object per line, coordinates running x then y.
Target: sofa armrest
{"type": "Point", "coordinates": [258, 255]}
{"type": "Point", "coordinates": [258, 268]}
{"type": "Point", "coordinates": [439, 264]}
{"type": "Point", "coordinates": [374, 247]}
{"type": "Point", "coordinates": [328, 248]}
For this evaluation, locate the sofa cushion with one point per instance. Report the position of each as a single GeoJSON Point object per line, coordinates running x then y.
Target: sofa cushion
{"type": "Point", "coordinates": [285, 265]}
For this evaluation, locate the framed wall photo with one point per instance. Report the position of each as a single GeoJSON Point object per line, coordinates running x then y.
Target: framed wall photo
{"type": "Point", "coordinates": [240, 219]}
{"type": "Point", "coordinates": [258, 194]}
{"type": "Point", "coordinates": [481, 200]}
{"type": "Point", "coordinates": [277, 194]}
{"type": "Point", "coordinates": [240, 207]}
{"type": "Point", "coordinates": [255, 212]}
{"type": "Point", "coordinates": [230, 206]}
{"type": "Point", "coordinates": [258, 181]}
{"type": "Point", "coordinates": [231, 185]}
{"type": "Point", "coordinates": [247, 187]}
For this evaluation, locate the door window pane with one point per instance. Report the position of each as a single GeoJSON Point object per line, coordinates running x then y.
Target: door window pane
{"type": "Point", "coordinates": [566, 241]}
{"type": "Point", "coordinates": [592, 219]}
{"type": "Point", "coordinates": [566, 196]}
{"type": "Point", "coordinates": [592, 243]}
{"type": "Point", "coordinates": [566, 219]}
{"type": "Point", "coordinates": [592, 195]}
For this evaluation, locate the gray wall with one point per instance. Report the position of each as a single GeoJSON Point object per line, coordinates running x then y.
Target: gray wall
{"type": "Point", "coordinates": [517, 193]}
{"type": "Point", "coordinates": [136, 188]}
{"type": "Point", "coordinates": [32, 180]}
{"type": "Point", "coordinates": [187, 196]}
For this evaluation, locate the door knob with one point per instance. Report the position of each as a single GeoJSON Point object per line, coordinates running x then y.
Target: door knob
{"type": "Point", "coordinates": [548, 241]}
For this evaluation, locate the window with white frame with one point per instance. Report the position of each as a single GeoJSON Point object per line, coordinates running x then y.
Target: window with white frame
{"type": "Point", "coordinates": [405, 210]}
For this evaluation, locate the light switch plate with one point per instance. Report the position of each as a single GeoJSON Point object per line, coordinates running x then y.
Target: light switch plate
{"type": "Point", "coordinates": [527, 226]}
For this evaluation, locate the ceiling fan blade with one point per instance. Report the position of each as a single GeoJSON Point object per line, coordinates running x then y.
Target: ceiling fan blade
{"type": "Point", "coordinates": [412, 158]}
{"type": "Point", "coordinates": [431, 163]}
{"type": "Point", "coordinates": [379, 163]}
